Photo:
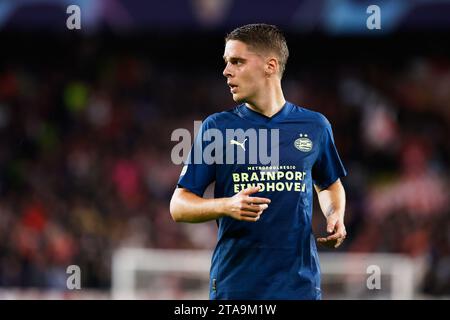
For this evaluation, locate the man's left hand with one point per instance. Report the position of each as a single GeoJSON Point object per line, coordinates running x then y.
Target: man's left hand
{"type": "Point", "coordinates": [336, 225]}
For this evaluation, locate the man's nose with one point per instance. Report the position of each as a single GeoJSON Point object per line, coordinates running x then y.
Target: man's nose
{"type": "Point", "coordinates": [226, 72]}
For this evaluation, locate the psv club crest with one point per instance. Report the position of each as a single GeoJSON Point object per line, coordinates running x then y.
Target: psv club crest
{"type": "Point", "coordinates": [303, 143]}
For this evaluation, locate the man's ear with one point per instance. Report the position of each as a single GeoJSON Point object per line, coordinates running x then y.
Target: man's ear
{"type": "Point", "coordinates": [272, 66]}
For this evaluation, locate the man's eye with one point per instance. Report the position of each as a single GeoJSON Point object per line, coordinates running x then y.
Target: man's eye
{"type": "Point", "coordinates": [233, 62]}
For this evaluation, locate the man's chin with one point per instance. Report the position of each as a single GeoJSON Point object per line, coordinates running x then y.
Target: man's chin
{"type": "Point", "coordinates": [238, 99]}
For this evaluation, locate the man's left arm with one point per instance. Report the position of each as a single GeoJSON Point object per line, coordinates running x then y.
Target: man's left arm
{"type": "Point", "coordinates": [332, 203]}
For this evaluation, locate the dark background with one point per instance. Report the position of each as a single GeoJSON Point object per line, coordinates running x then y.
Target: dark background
{"type": "Point", "coordinates": [86, 117]}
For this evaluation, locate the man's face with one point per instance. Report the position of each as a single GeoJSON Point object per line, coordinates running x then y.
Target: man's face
{"type": "Point", "coordinates": [244, 70]}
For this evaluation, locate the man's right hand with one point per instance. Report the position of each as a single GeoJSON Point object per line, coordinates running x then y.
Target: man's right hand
{"type": "Point", "coordinates": [243, 207]}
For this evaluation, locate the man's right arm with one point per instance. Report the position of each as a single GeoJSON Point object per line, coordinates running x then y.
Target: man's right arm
{"type": "Point", "coordinates": [186, 206]}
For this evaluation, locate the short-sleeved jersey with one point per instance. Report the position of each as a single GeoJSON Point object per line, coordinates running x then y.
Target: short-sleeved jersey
{"type": "Point", "coordinates": [275, 257]}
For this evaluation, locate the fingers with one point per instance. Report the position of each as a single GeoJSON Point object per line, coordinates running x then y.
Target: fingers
{"type": "Point", "coordinates": [252, 212]}
{"type": "Point", "coordinates": [339, 242]}
{"type": "Point", "coordinates": [340, 230]}
{"type": "Point", "coordinates": [331, 224]}
{"type": "Point", "coordinates": [335, 236]}
{"type": "Point", "coordinates": [257, 200]}
{"type": "Point", "coordinates": [339, 234]}
{"type": "Point", "coordinates": [336, 239]}
{"type": "Point", "coordinates": [253, 207]}
{"type": "Point", "coordinates": [330, 243]}
{"type": "Point", "coordinates": [250, 190]}
{"type": "Point", "coordinates": [251, 217]}
{"type": "Point", "coordinates": [247, 208]}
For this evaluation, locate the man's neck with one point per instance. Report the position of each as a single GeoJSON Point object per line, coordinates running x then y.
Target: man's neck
{"type": "Point", "coordinates": [268, 105]}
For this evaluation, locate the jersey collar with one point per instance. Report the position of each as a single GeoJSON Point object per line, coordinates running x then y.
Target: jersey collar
{"type": "Point", "coordinates": [259, 117]}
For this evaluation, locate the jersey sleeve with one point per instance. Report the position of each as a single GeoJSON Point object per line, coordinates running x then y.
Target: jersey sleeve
{"type": "Point", "coordinates": [328, 167]}
{"type": "Point", "coordinates": [196, 174]}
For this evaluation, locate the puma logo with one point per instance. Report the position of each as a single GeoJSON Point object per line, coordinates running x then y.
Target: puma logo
{"type": "Point", "coordinates": [241, 144]}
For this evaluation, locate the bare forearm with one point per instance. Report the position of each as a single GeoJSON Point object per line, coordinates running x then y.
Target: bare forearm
{"type": "Point", "coordinates": [332, 203]}
{"type": "Point", "coordinates": [332, 200]}
{"type": "Point", "coordinates": [186, 206]}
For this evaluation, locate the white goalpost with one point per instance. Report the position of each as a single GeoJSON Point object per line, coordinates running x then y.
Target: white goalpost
{"type": "Point", "coordinates": [184, 274]}
{"type": "Point", "coordinates": [160, 274]}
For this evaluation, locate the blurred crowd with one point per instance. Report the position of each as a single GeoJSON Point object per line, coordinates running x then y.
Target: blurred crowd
{"type": "Point", "coordinates": [85, 156]}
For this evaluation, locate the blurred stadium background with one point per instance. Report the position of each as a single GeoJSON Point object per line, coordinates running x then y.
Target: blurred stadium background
{"type": "Point", "coordinates": [86, 118]}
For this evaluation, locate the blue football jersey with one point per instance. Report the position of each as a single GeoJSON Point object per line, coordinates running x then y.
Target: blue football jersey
{"type": "Point", "coordinates": [276, 256]}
